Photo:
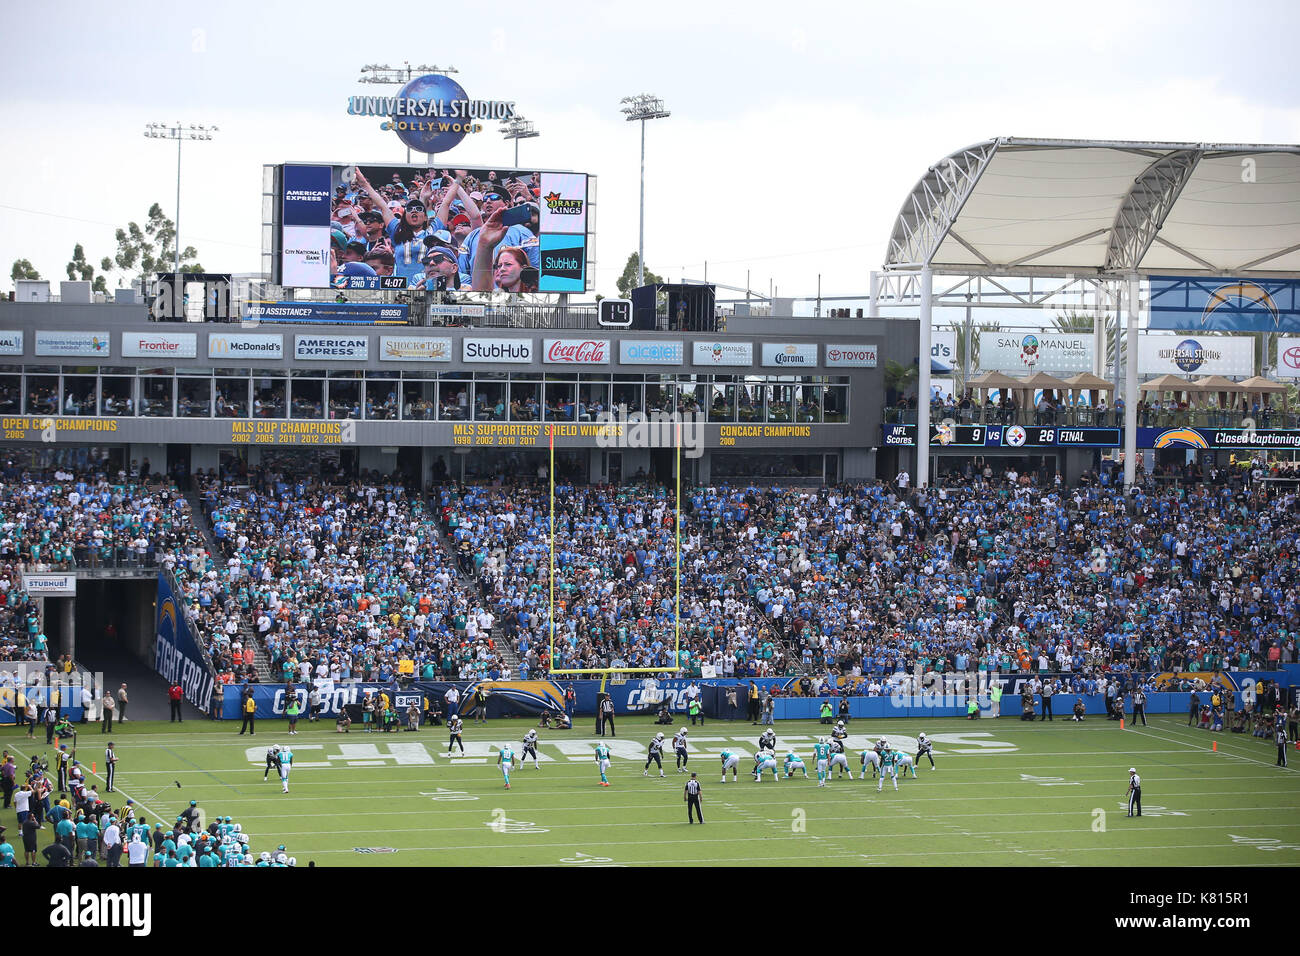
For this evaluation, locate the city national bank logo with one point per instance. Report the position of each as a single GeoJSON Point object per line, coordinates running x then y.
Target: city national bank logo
{"type": "Point", "coordinates": [1189, 355]}
{"type": "Point", "coordinates": [1181, 438]}
{"type": "Point", "coordinates": [78, 910]}
{"type": "Point", "coordinates": [557, 205]}
{"type": "Point", "coordinates": [1241, 295]}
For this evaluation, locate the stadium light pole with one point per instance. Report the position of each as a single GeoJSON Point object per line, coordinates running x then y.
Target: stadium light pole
{"type": "Point", "coordinates": [179, 133]}
{"type": "Point", "coordinates": [386, 75]}
{"type": "Point", "coordinates": [518, 128]}
{"type": "Point", "coordinates": [640, 108]}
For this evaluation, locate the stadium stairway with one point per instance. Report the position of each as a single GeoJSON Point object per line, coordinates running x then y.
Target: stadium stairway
{"type": "Point", "coordinates": [499, 639]}
{"type": "Point", "coordinates": [261, 660]}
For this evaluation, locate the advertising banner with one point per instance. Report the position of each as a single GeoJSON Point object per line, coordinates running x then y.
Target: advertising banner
{"type": "Point", "coordinates": [329, 313]}
{"type": "Point", "coordinates": [399, 348]}
{"type": "Point", "coordinates": [51, 585]}
{"type": "Point", "coordinates": [160, 345]}
{"type": "Point", "coordinates": [575, 351]}
{"type": "Point", "coordinates": [251, 345]}
{"type": "Point", "coordinates": [306, 196]}
{"type": "Point", "coordinates": [789, 355]}
{"type": "Point", "coordinates": [1231, 305]}
{"type": "Point", "coordinates": [458, 311]}
{"type": "Point", "coordinates": [1288, 357]}
{"type": "Point", "coordinates": [176, 656]}
{"type": "Point", "coordinates": [1035, 352]}
{"type": "Point", "coordinates": [650, 352]}
{"type": "Point", "coordinates": [563, 263]}
{"type": "Point", "coordinates": [11, 343]}
{"type": "Point", "coordinates": [305, 257]}
{"type": "Point", "coordinates": [723, 353]}
{"type": "Point", "coordinates": [515, 351]}
{"type": "Point", "coordinates": [564, 203]}
{"type": "Point", "coordinates": [1196, 356]}
{"type": "Point", "coordinates": [332, 348]}
{"type": "Point", "coordinates": [851, 356]}
{"type": "Point", "coordinates": [943, 351]}
{"type": "Point", "coordinates": [55, 344]}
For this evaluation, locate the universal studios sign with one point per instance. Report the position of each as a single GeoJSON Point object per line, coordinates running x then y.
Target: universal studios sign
{"type": "Point", "coordinates": [432, 113]}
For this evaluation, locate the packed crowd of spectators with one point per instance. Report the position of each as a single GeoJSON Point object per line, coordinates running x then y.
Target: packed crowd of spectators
{"type": "Point", "coordinates": [356, 579]}
{"type": "Point", "coordinates": [346, 580]}
{"type": "Point", "coordinates": [615, 578]}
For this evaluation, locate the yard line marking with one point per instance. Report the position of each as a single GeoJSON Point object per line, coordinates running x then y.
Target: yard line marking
{"type": "Point", "coordinates": [125, 795]}
{"type": "Point", "coordinates": [1233, 753]}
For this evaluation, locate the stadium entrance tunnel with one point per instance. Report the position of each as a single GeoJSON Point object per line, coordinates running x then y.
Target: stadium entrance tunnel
{"type": "Point", "coordinates": [108, 618]}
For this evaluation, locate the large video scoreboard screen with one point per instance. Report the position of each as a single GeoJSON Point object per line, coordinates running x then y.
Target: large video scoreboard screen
{"type": "Point", "coordinates": [436, 228]}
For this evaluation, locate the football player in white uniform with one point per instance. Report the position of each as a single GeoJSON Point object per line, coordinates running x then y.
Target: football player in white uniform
{"type": "Point", "coordinates": [655, 754]}
{"type": "Point", "coordinates": [924, 748]}
{"type": "Point", "coordinates": [765, 760]}
{"type": "Point", "coordinates": [839, 759]}
{"type": "Point", "coordinates": [530, 749]}
{"type": "Point", "coordinates": [679, 748]}
{"type": "Point", "coordinates": [870, 758]}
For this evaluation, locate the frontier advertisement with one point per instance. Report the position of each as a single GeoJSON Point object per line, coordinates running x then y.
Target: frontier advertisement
{"type": "Point", "coordinates": [418, 227]}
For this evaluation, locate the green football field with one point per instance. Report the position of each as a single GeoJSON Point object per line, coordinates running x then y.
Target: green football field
{"type": "Point", "coordinates": [1005, 793]}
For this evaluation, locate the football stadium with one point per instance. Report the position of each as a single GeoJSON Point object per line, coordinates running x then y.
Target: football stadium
{"type": "Point", "coordinates": [989, 559]}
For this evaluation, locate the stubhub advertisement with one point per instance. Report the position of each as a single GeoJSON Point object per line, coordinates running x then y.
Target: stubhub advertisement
{"type": "Point", "coordinates": [564, 263]}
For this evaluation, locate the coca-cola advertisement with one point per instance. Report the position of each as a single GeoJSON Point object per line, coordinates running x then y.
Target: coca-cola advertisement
{"type": "Point", "coordinates": [575, 351]}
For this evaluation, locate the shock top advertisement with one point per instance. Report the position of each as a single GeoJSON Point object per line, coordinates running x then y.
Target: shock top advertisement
{"type": "Point", "coordinates": [421, 227]}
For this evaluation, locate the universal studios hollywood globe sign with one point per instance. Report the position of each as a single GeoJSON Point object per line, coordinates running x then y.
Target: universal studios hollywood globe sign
{"type": "Point", "coordinates": [433, 113]}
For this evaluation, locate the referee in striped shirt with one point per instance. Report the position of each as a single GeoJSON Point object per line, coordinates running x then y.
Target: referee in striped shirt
{"type": "Point", "coordinates": [1134, 793]}
{"type": "Point", "coordinates": [692, 798]}
{"type": "Point", "coordinates": [1280, 736]}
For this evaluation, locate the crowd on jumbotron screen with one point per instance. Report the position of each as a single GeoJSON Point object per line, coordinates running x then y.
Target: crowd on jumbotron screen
{"type": "Point", "coordinates": [371, 579]}
{"type": "Point", "coordinates": [426, 228]}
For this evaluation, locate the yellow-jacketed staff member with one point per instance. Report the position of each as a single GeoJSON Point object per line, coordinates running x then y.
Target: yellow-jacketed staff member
{"type": "Point", "coordinates": [996, 694]}
{"type": "Point", "coordinates": [250, 717]}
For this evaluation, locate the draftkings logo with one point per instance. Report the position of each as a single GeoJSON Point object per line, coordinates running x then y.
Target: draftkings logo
{"type": "Point", "coordinates": [559, 206]}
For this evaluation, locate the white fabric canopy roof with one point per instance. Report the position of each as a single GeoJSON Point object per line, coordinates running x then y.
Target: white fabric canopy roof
{"type": "Point", "coordinates": [1019, 207]}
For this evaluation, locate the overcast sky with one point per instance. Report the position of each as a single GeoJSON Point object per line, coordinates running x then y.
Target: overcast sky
{"type": "Point", "coordinates": [796, 131]}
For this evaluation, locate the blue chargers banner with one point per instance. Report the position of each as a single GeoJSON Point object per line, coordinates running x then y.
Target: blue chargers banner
{"type": "Point", "coordinates": [335, 313]}
{"type": "Point", "coordinates": [272, 699]}
{"type": "Point", "coordinates": [1233, 305]}
{"type": "Point", "coordinates": [1219, 439]}
{"type": "Point", "coordinates": [176, 656]}
{"type": "Point", "coordinates": [645, 695]}
{"type": "Point", "coordinates": [307, 193]}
